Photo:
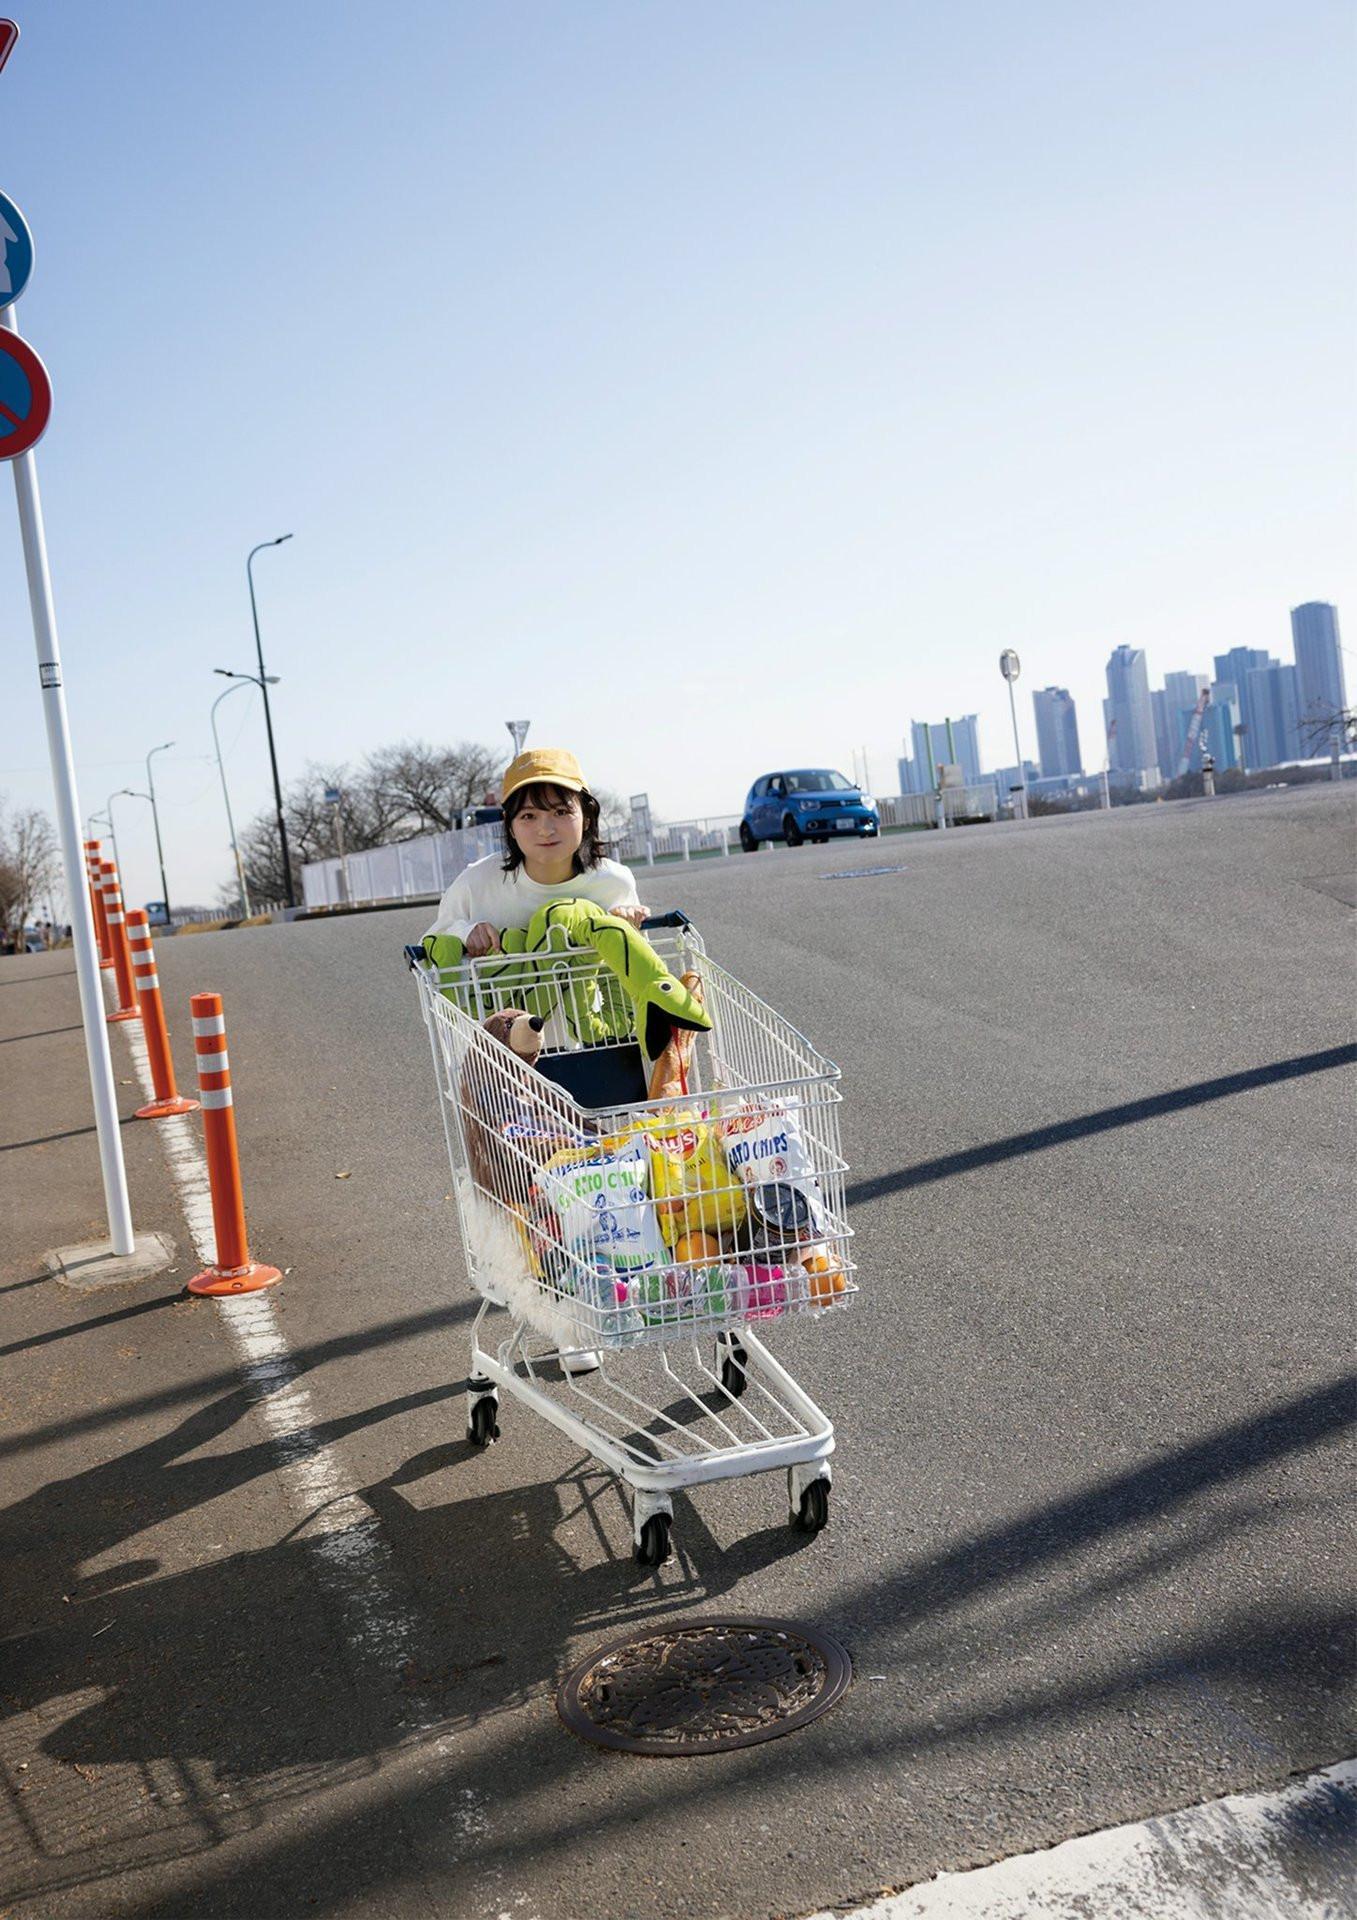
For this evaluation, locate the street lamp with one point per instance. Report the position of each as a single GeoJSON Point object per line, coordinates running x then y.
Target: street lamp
{"type": "Point", "coordinates": [107, 819]}
{"type": "Point", "coordinates": [1010, 667]}
{"type": "Point", "coordinates": [155, 816]}
{"type": "Point", "coordinates": [132, 794]}
{"type": "Point", "coordinates": [263, 684]}
{"type": "Point", "coordinates": [241, 679]}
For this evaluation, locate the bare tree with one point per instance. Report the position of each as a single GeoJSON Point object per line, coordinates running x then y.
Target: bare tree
{"type": "Point", "coordinates": [396, 793]}
{"type": "Point", "coordinates": [614, 815]}
{"type": "Point", "coordinates": [29, 865]}
{"type": "Point", "coordinates": [432, 785]}
{"type": "Point", "coordinates": [1329, 729]}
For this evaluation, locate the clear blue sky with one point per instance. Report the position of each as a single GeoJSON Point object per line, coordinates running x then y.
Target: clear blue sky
{"type": "Point", "coordinates": [719, 385]}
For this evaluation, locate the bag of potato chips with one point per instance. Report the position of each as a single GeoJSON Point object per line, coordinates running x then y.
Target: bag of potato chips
{"type": "Point", "coordinates": [690, 1177]}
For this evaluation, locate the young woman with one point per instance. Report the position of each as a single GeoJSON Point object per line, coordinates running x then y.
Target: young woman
{"type": "Point", "coordinates": [552, 852]}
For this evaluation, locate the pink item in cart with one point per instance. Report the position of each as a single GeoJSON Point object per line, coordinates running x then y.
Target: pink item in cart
{"type": "Point", "coordinates": [765, 1291]}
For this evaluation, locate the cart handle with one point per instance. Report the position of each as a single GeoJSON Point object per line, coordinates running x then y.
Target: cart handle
{"type": "Point", "coordinates": [416, 957]}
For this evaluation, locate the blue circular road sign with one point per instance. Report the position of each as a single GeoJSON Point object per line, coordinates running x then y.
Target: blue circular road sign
{"type": "Point", "coordinates": [16, 251]}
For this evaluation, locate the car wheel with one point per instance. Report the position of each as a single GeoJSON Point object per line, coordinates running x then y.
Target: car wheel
{"type": "Point", "coordinates": [791, 833]}
{"type": "Point", "coordinates": [747, 840]}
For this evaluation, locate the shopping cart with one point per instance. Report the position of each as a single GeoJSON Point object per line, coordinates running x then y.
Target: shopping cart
{"type": "Point", "coordinates": [636, 1243]}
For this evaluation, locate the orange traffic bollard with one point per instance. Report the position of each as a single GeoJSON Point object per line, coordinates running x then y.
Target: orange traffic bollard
{"type": "Point", "coordinates": [234, 1271]}
{"type": "Point", "coordinates": [127, 1008]}
{"type": "Point", "coordinates": [93, 862]}
{"type": "Point", "coordinates": [168, 1098]}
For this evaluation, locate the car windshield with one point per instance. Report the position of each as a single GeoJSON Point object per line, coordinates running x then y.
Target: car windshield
{"type": "Point", "coordinates": [817, 780]}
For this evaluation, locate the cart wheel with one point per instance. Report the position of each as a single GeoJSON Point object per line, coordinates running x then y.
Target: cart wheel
{"type": "Point", "coordinates": [652, 1550]}
{"type": "Point", "coordinates": [733, 1376]}
{"type": "Point", "coordinates": [483, 1427]}
{"type": "Point", "coordinates": [813, 1513]}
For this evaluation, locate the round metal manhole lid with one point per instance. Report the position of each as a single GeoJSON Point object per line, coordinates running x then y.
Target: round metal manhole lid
{"type": "Point", "coordinates": [704, 1686]}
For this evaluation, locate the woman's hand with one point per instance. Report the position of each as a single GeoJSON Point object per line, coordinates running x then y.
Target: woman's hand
{"type": "Point", "coordinates": [483, 938]}
{"type": "Point", "coordinates": [632, 915]}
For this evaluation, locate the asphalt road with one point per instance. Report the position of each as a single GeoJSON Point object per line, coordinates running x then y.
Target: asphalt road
{"type": "Point", "coordinates": [1089, 1544]}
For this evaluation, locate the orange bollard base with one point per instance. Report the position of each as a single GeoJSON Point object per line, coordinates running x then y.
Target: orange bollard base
{"type": "Point", "coordinates": [160, 1109]}
{"type": "Point", "coordinates": [217, 1281]}
{"type": "Point", "coordinates": [124, 1013]}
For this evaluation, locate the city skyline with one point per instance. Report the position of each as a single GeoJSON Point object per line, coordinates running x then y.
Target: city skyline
{"type": "Point", "coordinates": [1271, 697]}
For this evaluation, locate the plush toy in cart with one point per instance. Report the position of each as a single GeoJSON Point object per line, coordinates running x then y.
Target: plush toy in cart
{"type": "Point", "coordinates": [514, 1119]}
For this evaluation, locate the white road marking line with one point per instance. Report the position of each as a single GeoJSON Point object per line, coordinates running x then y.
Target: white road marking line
{"type": "Point", "coordinates": [353, 1560]}
{"type": "Point", "coordinates": [1253, 1856]}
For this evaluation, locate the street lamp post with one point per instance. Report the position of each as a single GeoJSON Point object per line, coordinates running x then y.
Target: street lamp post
{"type": "Point", "coordinates": [1010, 667]}
{"type": "Point", "coordinates": [241, 680]}
{"type": "Point", "coordinates": [155, 816]}
{"type": "Point", "coordinates": [132, 793]}
{"type": "Point", "coordinates": [106, 819]}
{"type": "Point", "coordinates": [268, 717]}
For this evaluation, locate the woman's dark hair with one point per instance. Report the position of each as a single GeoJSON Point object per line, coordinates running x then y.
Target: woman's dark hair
{"type": "Point", "coordinates": [540, 794]}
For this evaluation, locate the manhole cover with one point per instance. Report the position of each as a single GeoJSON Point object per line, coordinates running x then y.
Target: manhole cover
{"type": "Point", "coordinates": [705, 1686]}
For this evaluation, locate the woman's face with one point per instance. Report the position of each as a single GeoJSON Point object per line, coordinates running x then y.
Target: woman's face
{"type": "Point", "coordinates": [550, 829]}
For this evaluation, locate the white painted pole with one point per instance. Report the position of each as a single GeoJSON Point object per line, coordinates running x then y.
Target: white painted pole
{"type": "Point", "coordinates": [116, 1202]}
{"type": "Point", "coordinates": [1020, 811]}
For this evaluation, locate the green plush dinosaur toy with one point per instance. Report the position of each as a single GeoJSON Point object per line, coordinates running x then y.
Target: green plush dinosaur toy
{"type": "Point", "coordinates": [637, 994]}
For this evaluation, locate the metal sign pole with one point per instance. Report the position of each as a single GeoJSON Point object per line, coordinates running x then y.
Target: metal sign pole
{"type": "Point", "coordinates": [68, 826]}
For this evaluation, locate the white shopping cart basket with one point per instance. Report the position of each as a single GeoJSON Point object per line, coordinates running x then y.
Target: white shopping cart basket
{"type": "Point", "coordinates": [636, 1243]}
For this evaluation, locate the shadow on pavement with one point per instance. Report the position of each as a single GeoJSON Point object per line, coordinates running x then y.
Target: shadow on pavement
{"type": "Point", "coordinates": [13, 1039]}
{"type": "Point", "coordinates": [344, 1346]}
{"type": "Point", "coordinates": [207, 1699]}
{"type": "Point", "coordinates": [1128, 1114]}
{"type": "Point", "coordinates": [51, 1334]}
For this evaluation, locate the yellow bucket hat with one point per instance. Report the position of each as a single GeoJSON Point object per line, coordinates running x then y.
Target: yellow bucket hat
{"type": "Point", "coordinates": [551, 766]}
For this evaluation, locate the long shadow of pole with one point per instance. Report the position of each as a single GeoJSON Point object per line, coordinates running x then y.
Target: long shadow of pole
{"type": "Point", "coordinates": [1106, 1120]}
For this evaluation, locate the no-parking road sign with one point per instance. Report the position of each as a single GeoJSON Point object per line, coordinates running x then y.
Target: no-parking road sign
{"type": "Point", "coordinates": [25, 396]}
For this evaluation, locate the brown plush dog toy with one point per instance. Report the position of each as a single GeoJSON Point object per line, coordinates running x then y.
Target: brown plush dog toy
{"type": "Point", "coordinates": [512, 1118]}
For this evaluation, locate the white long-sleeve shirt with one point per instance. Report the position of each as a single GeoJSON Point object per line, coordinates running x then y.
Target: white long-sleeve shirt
{"type": "Point", "coordinates": [484, 891]}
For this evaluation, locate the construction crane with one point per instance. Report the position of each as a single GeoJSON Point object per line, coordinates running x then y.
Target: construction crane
{"type": "Point", "coordinates": [1194, 727]}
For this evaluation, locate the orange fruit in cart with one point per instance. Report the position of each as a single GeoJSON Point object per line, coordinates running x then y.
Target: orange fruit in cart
{"type": "Point", "coordinates": [696, 1246]}
{"type": "Point", "coordinates": [827, 1277]}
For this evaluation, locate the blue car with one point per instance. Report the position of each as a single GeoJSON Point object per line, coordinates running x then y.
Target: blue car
{"type": "Point", "coordinates": [807, 803]}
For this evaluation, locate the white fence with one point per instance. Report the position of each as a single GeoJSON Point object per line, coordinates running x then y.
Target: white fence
{"type": "Point", "coordinates": [424, 866]}
{"type": "Point", "coordinates": [921, 809]}
{"type": "Point", "coordinates": [413, 869]}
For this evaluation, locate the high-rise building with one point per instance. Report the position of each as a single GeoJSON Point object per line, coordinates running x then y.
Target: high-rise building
{"type": "Point", "coordinates": [1057, 732]}
{"type": "Point", "coordinates": [1218, 727]}
{"type": "Point", "coordinates": [963, 749]}
{"type": "Point", "coordinates": [1236, 666]}
{"type": "Point", "coordinates": [1272, 702]}
{"type": "Point", "coordinates": [1131, 750]}
{"type": "Point", "coordinates": [1319, 670]}
{"type": "Point", "coordinates": [1163, 727]}
{"type": "Point", "coordinates": [1240, 661]}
